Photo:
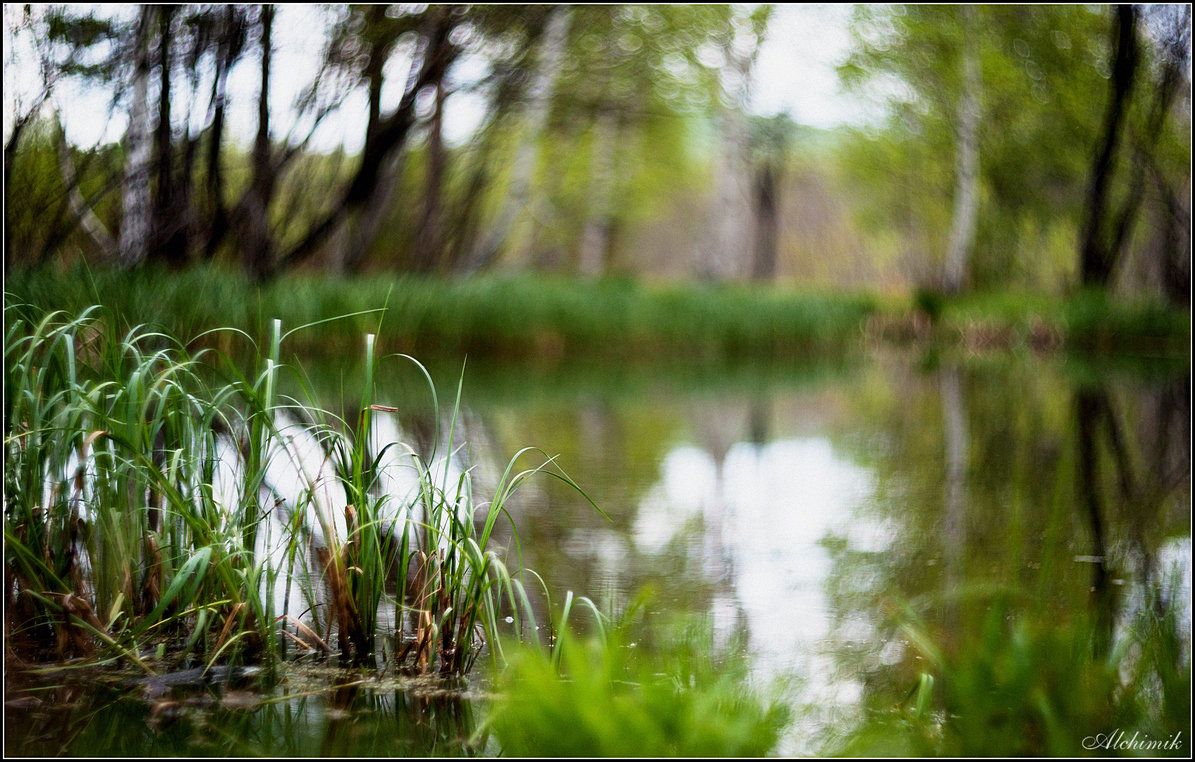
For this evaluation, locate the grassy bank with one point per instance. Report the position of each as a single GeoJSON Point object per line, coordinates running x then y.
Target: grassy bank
{"type": "Point", "coordinates": [503, 317]}
{"type": "Point", "coordinates": [552, 319]}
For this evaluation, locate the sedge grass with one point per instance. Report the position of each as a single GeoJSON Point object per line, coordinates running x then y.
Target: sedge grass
{"type": "Point", "coordinates": [143, 508]}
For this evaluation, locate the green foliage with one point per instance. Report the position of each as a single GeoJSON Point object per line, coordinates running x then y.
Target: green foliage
{"type": "Point", "coordinates": [1024, 685]}
{"type": "Point", "coordinates": [609, 699]}
{"type": "Point", "coordinates": [772, 138]}
{"type": "Point", "coordinates": [1096, 321]}
{"type": "Point", "coordinates": [38, 219]}
{"type": "Point", "coordinates": [1044, 72]}
{"type": "Point", "coordinates": [657, 68]}
{"type": "Point", "coordinates": [557, 319]}
{"type": "Point", "coordinates": [930, 302]}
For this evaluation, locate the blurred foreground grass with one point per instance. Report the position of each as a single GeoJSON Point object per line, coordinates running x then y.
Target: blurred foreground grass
{"type": "Point", "coordinates": [1018, 684]}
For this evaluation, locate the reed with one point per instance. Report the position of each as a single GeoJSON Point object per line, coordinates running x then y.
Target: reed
{"type": "Point", "coordinates": [544, 317]}
{"type": "Point", "coordinates": [158, 500]}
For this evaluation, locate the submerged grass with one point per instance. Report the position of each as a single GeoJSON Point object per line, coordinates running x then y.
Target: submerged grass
{"type": "Point", "coordinates": [148, 508]}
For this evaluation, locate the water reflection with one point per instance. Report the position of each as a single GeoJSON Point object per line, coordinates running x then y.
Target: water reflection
{"type": "Point", "coordinates": [804, 516]}
{"type": "Point", "coordinates": [764, 512]}
{"type": "Point", "coordinates": [815, 518]}
{"type": "Point", "coordinates": [312, 712]}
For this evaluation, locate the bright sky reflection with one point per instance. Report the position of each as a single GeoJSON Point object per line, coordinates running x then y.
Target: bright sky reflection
{"type": "Point", "coordinates": [765, 510]}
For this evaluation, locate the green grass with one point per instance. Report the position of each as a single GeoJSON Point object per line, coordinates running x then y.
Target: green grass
{"type": "Point", "coordinates": [609, 696]}
{"type": "Point", "coordinates": [516, 316]}
{"type": "Point", "coordinates": [1025, 684]}
{"type": "Point", "coordinates": [117, 540]}
{"type": "Point", "coordinates": [1088, 322]}
{"type": "Point", "coordinates": [555, 318]}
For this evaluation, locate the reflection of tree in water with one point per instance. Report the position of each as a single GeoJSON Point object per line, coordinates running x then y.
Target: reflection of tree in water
{"type": "Point", "coordinates": [1007, 478]}
{"type": "Point", "coordinates": [612, 447]}
{"type": "Point", "coordinates": [956, 448]}
{"type": "Point", "coordinates": [366, 722]}
{"type": "Point", "coordinates": [717, 429]}
{"type": "Point", "coordinates": [1132, 481]}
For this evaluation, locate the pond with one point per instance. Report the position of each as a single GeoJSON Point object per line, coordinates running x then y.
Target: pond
{"type": "Point", "coordinates": [798, 508]}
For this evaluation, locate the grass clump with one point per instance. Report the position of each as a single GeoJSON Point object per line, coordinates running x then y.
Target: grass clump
{"type": "Point", "coordinates": [158, 500]}
{"type": "Point", "coordinates": [612, 697]}
{"type": "Point", "coordinates": [1026, 685]}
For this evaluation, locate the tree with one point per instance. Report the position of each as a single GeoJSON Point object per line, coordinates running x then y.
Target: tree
{"type": "Point", "coordinates": [535, 115]}
{"type": "Point", "coordinates": [771, 140]}
{"type": "Point", "coordinates": [984, 103]}
{"type": "Point", "coordinates": [638, 82]}
{"type": "Point", "coordinates": [966, 160]}
{"type": "Point", "coordinates": [162, 219]}
{"type": "Point", "coordinates": [590, 112]}
{"type": "Point", "coordinates": [1098, 252]}
{"type": "Point", "coordinates": [729, 237]}
{"type": "Point", "coordinates": [1133, 140]}
{"type": "Point", "coordinates": [136, 228]}
{"type": "Point", "coordinates": [16, 26]}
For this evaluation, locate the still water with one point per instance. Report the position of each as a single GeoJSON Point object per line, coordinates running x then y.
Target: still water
{"type": "Point", "coordinates": [797, 508]}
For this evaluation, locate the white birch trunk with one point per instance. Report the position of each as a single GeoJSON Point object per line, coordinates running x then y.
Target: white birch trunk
{"type": "Point", "coordinates": [539, 101]}
{"type": "Point", "coordinates": [726, 256]}
{"type": "Point", "coordinates": [966, 191]}
{"type": "Point", "coordinates": [595, 238]}
{"type": "Point", "coordinates": [88, 220]}
{"type": "Point", "coordinates": [135, 223]}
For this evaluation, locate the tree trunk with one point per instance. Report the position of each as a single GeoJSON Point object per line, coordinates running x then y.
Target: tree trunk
{"type": "Point", "coordinates": [136, 222]}
{"type": "Point", "coordinates": [729, 237]}
{"type": "Point", "coordinates": [169, 240]}
{"type": "Point", "coordinates": [258, 240]}
{"type": "Point", "coordinates": [1097, 259]}
{"type": "Point", "coordinates": [88, 220]}
{"type": "Point", "coordinates": [1176, 248]}
{"type": "Point", "coordinates": [367, 223]}
{"type": "Point", "coordinates": [1175, 47]}
{"type": "Point", "coordinates": [10, 154]}
{"type": "Point", "coordinates": [539, 101]}
{"type": "Point", "coordinates": [369, 220]}
{"type": "Point", "coordinates": [428, 240]}
{"type": "Point", "coordinates": [1088, 478]}
{"type": "Point", "coordinates": [766, 223]}
{"type": "Point", "coordinates": [227, 53]}
{"type": "Point", "coordinates": [595, 238]}
{"type": "Point", "coordinates": [966, 167]}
